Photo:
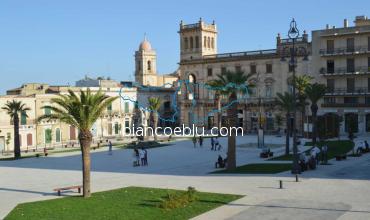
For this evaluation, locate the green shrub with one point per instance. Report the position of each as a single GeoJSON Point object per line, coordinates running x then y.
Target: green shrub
{"type": "Point", "coordinates": [178, 200]}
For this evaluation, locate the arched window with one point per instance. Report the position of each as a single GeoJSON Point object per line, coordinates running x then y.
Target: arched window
{"type": "Point", "coordinates": [205, 42]}
{"type": "Point", "coordinates": [47, 136]}
{"type": "Point", "coordinates": [192, 87]}
{"type": "Point", "coordinates": [149, 65]}
{"type": "Point", "coordinates": [57, 135]}
{"type": "Point", "coordinates": [209, 42]}
{"type": "Point", "coordinates": [191, 43]}
{"type": "Point", "coordinates": [213, 43]}
{"type": "Point", "coordinates": [186, 42]}
{"type": "Point", "coordinates": [196, 42]}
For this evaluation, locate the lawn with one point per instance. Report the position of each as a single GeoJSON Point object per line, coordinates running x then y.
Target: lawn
{"type": "Point", "coordinates": [259, 168]}
{"type": "Point", "coordinates": [334, 148]}
{"type": "Point", "coordinates": [125, 203]}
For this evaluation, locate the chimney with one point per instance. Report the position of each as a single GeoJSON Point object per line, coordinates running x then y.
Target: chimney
{"type": "Point", "coordinates": [345, 23]}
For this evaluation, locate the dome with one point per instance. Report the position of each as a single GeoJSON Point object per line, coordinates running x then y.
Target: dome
{"type": "Point", "coordinates": [145, 45]}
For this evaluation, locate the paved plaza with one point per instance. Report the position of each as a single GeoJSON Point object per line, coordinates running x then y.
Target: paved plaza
{"type": "Point", "coordinates": [337, 191]}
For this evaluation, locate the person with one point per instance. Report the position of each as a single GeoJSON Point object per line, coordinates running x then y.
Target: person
{"type": "Point", "coordinates": [110, 146]}
{"type": "Point", "coordinates": [324, 154]}
{"type": "Point", "coordinates": [201, 141]}
{"type": "Point", "coordinates": [360, 147]}
{"type": "Point", "coordinates": [137, 157]}
{"type": "Point", "coordinates": [220, 162]}
{"type": "Point", "coordinates": [217, 143]}
{"type": "Point", "coordinates": [145, 157]}
{"type": "Point", "coordinates": [303, 161]}
{"type": "Point", "coordinates": [315, 152]}
{"type": "Point", "coordinates": [142, 156]}
{"type": "Point", "coordinates": [367, 146]}
{"type": "Point", "coordinates": [195, 141]}
{"type": "Point", "coordinates": [212, 143]}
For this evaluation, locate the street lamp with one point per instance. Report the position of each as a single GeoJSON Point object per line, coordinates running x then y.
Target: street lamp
{"type": "Point", "coordinates": [293, 34]}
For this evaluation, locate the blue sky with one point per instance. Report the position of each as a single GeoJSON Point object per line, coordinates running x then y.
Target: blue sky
{"type": "Point", "coordinates": [59, 42]}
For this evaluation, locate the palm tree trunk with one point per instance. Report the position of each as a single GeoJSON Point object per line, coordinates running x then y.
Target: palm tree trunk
{"type": "Point", "coordinates": [287, 138]}
{"type": "Point", "coordinates": [155, 122]}
{"type": "Point", "coordinates": [219, 114]}
{"type": "Point", "coordinates": [17, 147]}
{"type": "Point", "coordinates": [85, 138]}
{"type": "Point", "coordinates": [231, 141]}
{"type": "Point", "coordinates": [303, 115]}
{"type": "Point", "coordinates": [314, 122]}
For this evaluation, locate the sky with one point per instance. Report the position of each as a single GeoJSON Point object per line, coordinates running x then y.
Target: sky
{"type": "Point", "coordinates": [59, 42]}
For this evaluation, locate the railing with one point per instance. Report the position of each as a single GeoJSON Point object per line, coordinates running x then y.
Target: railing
{"type": "Point", "coordinates": [357, 90]}
{"type": "Point", "coordinates": [355, 105]}
{"type": "Point", "coordinates": [190, 25]}
{"type": "Point", "coordinates": [345, 50]}
{"type": "Point", "coordinates": [288, 40]}
{"type": "Point", "coordinates": [241, 54]}
{"type": "Point", "coordinates": [346, 71]}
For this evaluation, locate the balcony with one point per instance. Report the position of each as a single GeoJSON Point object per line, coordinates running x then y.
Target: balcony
{"type": "Point", "coordinates": [344, 71]}
{"type": "Point", "coordinates": [345, 51]}
{"type": "Point", "coordinates": [348, 91]}
{"type": "Point", "coordinates": [350, 105]}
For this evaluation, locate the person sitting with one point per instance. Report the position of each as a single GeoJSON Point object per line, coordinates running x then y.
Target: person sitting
{"type": "Point", "coordinates": [315, 152]}
{"type": "Point", "coordinates": [360, 148]}
{"type": "Point", "coordinates": [303, 161]}
{"type": "Point", "coordinates": [367, 149]}
{"type": "Point", "coordinates": [312, 162]}
{"type": "Point", "coordinates": [220, 162]}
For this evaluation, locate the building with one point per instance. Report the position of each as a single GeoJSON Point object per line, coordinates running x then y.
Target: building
{"type": "Point", "coordinates": [200, 62]}
{"type": "Point", "coordinates": [341, 60]}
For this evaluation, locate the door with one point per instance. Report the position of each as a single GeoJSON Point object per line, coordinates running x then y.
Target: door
{"type": "Point", "coordinates": [2, 144]}
{"type": "Point", "coordinates": [72, 133]}
{"type": "Point", "coordinates": [29, 140]}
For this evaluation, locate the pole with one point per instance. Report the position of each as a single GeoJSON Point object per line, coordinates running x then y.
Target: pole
{"type": "Point", "coordinates": [295, 168]}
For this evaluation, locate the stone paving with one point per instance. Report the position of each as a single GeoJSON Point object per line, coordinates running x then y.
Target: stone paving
{"type": "Point", "coordinates": [338, 191]}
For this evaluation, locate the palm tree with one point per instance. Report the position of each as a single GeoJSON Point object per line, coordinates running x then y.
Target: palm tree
{"type": "Point", "coordinates": [230, 84]}
{"type": "Point", "coordinates": [301, 83]}
{"type": "Point", "coordinates": [154, 105]}
{"type": "Point", "coordinates": [216, 85]}
{"type": "Point", "coordinates": [14, 109]}
{"type": "Point", "coordinates": [286, 102]}
{"type": "Point", "coordinates": [81, 112]}
{"type": "Point", "coordinates": [314, 93]}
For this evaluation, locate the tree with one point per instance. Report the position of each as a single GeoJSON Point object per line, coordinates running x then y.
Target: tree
{"type": "Point", "coordinates": [286, 102]}
{"type": "Point", "coordinates": [314, 93]}
{"type": "Point", "coordinates": [230, 84]}
{"type": "Point", "coordinates": [14, 109]}
{"type": "Point", "coordinates": [301, 83]}
{"type": "Point", "coordinates": [216, 85]}
{"type": "Point", "coordinates": [154, 106]}
{"type": "Point", "coordinates": [81, 112]}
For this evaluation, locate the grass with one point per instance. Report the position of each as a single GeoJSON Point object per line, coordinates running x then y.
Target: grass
{"type": "Point", "coordinates": [334, 148]}
{"type": "Point", "coordinates": [125, 203]}
{"type": "Point", "coordinates": [259, 168]}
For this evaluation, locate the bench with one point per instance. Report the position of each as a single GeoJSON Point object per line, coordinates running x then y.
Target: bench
{"type": "Point", "coordinates": [59, 190]}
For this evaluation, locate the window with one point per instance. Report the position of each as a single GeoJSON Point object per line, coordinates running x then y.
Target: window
{"type": "Point", "coordinates": [116, 128]}
{"type": "Point", "coordinates": [350, 100]}
{"type": "Point", "coordinates": [368, 64]}
{"type": "Point", "coordinates": [127, 126]}
{"type": "Point", "coordinates": [149, 65]}
{"type": "Point", "coordinates": [196, 42]}
{"type": "Point", "coordinates": [330, 66]}
{"type": "Point", "coordinates": [23, 118]}
{"type": "Point", "coordinates": [109, 128]}
{"type": "Point", "coordinates": [186, 42]}
{"type": "Point", "coordinates": [209, 72]}
{"type": "Point", "coordinates": [138, 65]}
{"type": "Point", "coordinates": [268, 68]}
{"type": "Point", "coordinates": [127, 107]}
{"type": "Point", "coordinates": [350, 65]}
{"type": "Point", "coordinates": [205, 42]}
{"type": "Point", "coordinates": [329, 100]}
{"type": "Point", "coordinates": [223, 70]}
{"type": "Point", "coordinates": [368, 84]}
{"type": "Point", "coordinates": [367, 123]}
{"type": "Point", "coordinates": [238, 68]}
{"type": "Point", "coordinates": [350, 84]}
{"type": "Point", "coordinates": [213, 43]}
{"type": "Point", "coordinates": [330, 84]}
{"type": "Point", "coordinates": [330, 46]}
{"type": "Point", "coordinates": [368, 43]}
{"type": "Point", "coordinates": [57, 135]}
{"type": "Point", "coordinates": [209, 42]}
{"type": "Point", "coordinates": [47, 110]}
{"type": "Point", "coordinates": [351, 122]}
{"type": "Point", "coordinates": [253, 68]}
{"type": "Point", "coordinates": [109, 107]}
{"type": "Point", "coordinates": [350, 44]}
{"type": "Point", "coordinates": [48, 136]}
{"type": "Point", "coordinates": [191, 43]}
{"type": "Point", "coordinates": [268, 91]}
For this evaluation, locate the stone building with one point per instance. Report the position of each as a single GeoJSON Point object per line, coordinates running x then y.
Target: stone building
{"type": "Point", "coordinates": [200, 62]}
{"type": "Point", "coordinates": [341, 60]}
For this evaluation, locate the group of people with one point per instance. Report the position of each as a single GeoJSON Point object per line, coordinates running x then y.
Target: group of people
{"type": "Point", "coordinates": [221, 163]}
{"type": "Point", "coordinates": [312, 159]}
{"type": "Point", "coordinates": [141, 157]}
{"type": "Point", "coordinates": [198, 140]}
{"type": "Point", "coordinates": [363, 147]}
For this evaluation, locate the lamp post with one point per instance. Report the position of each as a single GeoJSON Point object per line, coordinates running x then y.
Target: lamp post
{"type": "Point", "coordinates": [293, 34]}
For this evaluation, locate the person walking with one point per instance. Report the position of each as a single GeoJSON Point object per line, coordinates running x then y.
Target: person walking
{"type": "Point", "coordinates": [324, 154]}
{"type": "Point", "coordinates": [217, 144]}
{"type": "Point", "coordinates": [212, 143]}
{"type": "Point", "coordinates": [145, 157]}
{"type": "Point", "coordinates": [137, 157]}
{"type": "Point", "coordinates": [201, 141]}
{"type": "Point", "coordinates": [367, 149]}
{"type": "Point", "coordinates": [142, 156]}
{"type": "Point", "coordinates": [195, 141]}
{"type": "Point", "coordinates": [110, 148]}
